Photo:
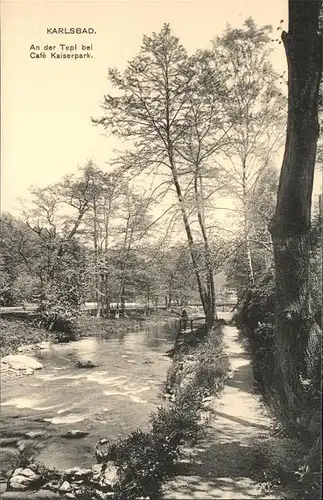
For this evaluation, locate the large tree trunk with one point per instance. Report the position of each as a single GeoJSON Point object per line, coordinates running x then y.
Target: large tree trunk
{"type": "Point", "coordinates": [291, 222]}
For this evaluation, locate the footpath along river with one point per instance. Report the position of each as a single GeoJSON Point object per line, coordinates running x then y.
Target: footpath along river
{"type": "Point", "coordinates": [110, 400]}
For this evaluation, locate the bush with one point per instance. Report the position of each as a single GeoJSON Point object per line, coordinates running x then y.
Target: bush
{"type": "Point", "coordinates": [263, 359]}
{"type": "Point", "coordinates": [256, 320]}
{"type": "Point", "coordinates": [24, 288]}
{"type": "Point", "coordinates": [258, 306]}
{"type": "Point", "coordinates": [58, 318]}
{"type": "Point", "coordinates": [213, 363]}
{"type": "Point", "coordinates": [6, 297]}
{"type": "Point", "coordinates": [58, 311]}
{"type": "Point", "coordinates": [14, 333]}
{"type": "Point", "coordinates": [179, 422]}
{"type": "Point", "coordinates": [22, 458]}
{"type": "Point", "coordinates": [143, 460]}
{"type": "Point", "coordinates": [87, 493]}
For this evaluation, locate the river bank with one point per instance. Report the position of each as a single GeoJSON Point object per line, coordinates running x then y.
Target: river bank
{"type": "Point", "coordinates": [22, 338]}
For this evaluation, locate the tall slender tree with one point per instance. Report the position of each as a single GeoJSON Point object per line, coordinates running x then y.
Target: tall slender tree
{"type": "Point", "coordinates": [158, 92]}
{"type": "Point", "coordinates": [255, 113]}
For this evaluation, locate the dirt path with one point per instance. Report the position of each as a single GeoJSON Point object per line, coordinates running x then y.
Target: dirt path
{"type": "Point", "coordinates": [229, 463]}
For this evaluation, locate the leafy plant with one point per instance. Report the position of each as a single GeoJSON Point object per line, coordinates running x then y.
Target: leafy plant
{"type": "Point", "coordinates": [22, 458]}
{"type": "Point", "coordinates": [60, 307]}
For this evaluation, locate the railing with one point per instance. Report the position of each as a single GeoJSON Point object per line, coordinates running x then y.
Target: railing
{"type": "Point", "coordinates": [191, 323]}
{"type": "Point", "coordinates": [226, 305]}
{"type": "Point", "coordinates": [91, 306]}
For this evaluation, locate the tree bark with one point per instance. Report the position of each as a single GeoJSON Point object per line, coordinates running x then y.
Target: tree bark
{"type": "Point", "coordinates": [202, 292]}
{"type": "Point", "coordinates": [123, 301]}
{"type": "Point", "coordinates": [291, 222]}
{"type": "Point", "coordinates": [246, 226]}
{"type": "Point", "coordinates": [211, 314]}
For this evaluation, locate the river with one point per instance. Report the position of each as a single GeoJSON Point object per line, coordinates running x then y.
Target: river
{"type": "Point", "coordinates": [110, 400]}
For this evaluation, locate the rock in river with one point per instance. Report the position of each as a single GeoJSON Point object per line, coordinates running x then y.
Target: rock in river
{"type": "Point", "coordinates": [21, 362]}
{"type": "Point", "coordinates": [85, 363]}
{"type": "Point", "coordinates": [102, 450]}
{"type": "Point", "coordinates": [77, 473]}
{"type": "Point", "coordinates": [34, 434]}
{"type": "Point", "coordinates": [43, 345]}
{"type": "Point", "coordinates": [23, 479]}
{"type": "Point", "coordinates": [65, 487]}
{"type": "Point", "coordinates": [104, 476]}
{"type": "Point", "coordinates": [75, 433]}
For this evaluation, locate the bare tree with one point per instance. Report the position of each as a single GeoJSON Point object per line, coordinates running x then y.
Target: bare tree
{"type": "Point", "coordinates": [255, 113]}
{"type": "Point", "coordinates": [161, 108]}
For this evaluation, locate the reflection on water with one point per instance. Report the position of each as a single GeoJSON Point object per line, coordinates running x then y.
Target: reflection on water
{"type": "Point", "coordinates": [28, 402]}
{"type": "Point", "coordinates": [111, 399]}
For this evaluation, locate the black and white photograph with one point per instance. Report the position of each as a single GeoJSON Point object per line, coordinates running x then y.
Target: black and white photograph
{"type": "Point", "coordinates": [161, 249]}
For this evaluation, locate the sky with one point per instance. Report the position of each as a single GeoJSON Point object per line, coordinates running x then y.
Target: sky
{"type": "Point", "coordinates": [47, 104]}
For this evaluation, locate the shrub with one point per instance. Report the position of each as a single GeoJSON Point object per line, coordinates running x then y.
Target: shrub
{"type": "Point", "coordinates": [179, 422]}
{"type": "Point", "coordinates": [6, 296]}
{"type": "Point", "coordinates": [22, 458]}
{"type": "Point", "coordinates": [58, 318]}
{"type": "Point", "coordinates": [258, 306]}
{"type": "Point", "coordinates": [143, 461]}
{"type": "Point", "coordinates": [210, 375]}
{"type": "Point", "coordinates": [263, 359]}
{"type": "Point", "coordinates": [24, 287]}
{"type": "Point", "coordinates": [14, 333]}
{"type": "Point", "coordinates": [58, 312]}
{"type": "Point", "coordinates": [213, 363]}
{"type": "Point", "coordinates": [257, 320]}
{"type": "Point", "coordinates": [87, 493]}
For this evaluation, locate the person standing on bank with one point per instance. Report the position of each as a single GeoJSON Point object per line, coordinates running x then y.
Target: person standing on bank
{"type": "Point", "coordinates": [184, 318]}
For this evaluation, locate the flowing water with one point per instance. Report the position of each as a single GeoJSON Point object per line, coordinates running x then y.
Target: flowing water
{"type": "Point", "coordinates": [110, 400]}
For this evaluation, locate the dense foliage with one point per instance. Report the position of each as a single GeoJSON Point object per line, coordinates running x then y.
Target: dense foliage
{"type": "Point", "coordinates": [257, 320]}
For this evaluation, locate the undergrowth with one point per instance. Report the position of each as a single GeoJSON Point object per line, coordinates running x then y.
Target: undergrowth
{"type": "Point", "coordinates": [14, 333]}
{"type": "Point", "coordinates": [256, 319]}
